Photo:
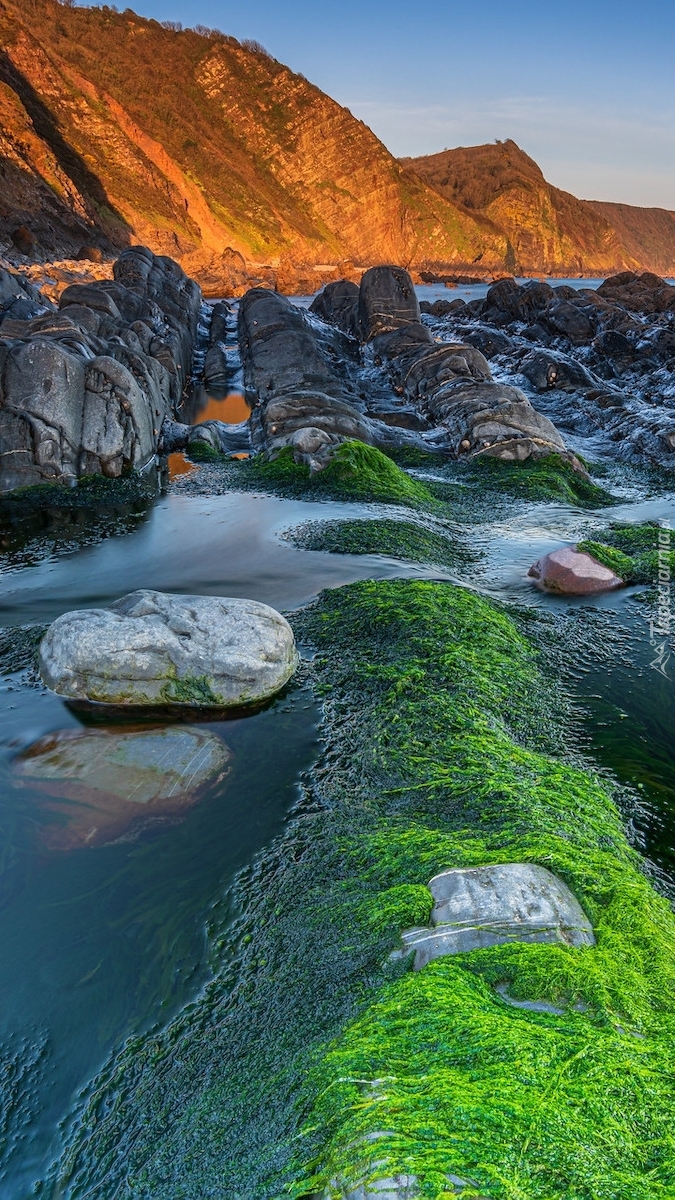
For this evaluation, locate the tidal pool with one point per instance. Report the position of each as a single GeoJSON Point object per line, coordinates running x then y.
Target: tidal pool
{"type": "Point", "coordinates": [107, 936]}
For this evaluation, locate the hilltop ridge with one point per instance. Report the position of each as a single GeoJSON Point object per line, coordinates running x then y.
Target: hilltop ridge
{"type": "Point", "coordinates": [116, 130]}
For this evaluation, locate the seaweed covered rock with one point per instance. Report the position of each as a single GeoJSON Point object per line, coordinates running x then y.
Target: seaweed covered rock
{"type": "Point", "coordinates": [151, 649]}
{"type": "Point", "coordinates": [498, 905]}
{"type": "Point", "coordinates": [86, 390]}
{"type": "Point", "coordinates": [573, 572]}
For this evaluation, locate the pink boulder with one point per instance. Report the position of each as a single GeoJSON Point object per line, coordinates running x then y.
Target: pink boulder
{"type": "Point", "coordinates": [572, 572]}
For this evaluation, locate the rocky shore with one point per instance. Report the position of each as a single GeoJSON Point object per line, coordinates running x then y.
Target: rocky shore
{"type": "Point", "coordinates": [452, 974]}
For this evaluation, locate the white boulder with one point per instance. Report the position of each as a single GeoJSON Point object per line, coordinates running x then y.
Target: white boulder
{"type": "Point", "coordinates": [477, 907]}
{"type": "Point", "coordinates": [154, 649]}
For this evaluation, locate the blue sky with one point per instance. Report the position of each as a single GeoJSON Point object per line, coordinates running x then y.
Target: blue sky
{"type": "Point", "coordinates": [588, 89]}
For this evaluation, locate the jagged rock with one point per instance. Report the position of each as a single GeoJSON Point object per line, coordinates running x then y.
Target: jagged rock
{"type": "Point", "coordinates": [101, 784]}
{"type": "Point", "coordinates": [476, 907]}
{"type": "Point", "coordinates": [569, 320]}
{"type": "Point", "coordinates": [451, 384]}
{"type": "Point", "coordinates": [153, 649]}
{"type": "Point", "coordinates": [299, 373]}
{"type": "Point", "coordinates": [573, 572]}
{"type": "Point", "coordinates": [646, 293]}
{"type": "Point", "coordinates": [490, 342]}
{"type": "Point", "coordinates": [85, 390]}
{"type": "Point", "coordinates": [547, 371]}
{"type": "Point", "coordinates": [387, 300]}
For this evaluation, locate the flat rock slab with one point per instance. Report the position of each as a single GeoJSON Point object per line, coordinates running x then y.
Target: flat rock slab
{"type": "Point", "coordinates": [151, 649]}
{"type": "Point", "coordinates": [97, 785]}
{"type": "Point", "coordinates": [478, 907]}
{"type": "Point", "coordinates": [573, 572]}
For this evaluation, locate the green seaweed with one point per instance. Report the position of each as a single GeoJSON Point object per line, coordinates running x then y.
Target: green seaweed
{"type": "Point", "coordinates": [355, 472]}
{"type": "Point", "coordinates": [200, 450]}
{"type": "Point", "coordinates": [547, 478]}
{"type": "Point", "coordinates": [634, 552]}
{"type": "Point", "coordinates": [442, 750]}
{"type": "Point", "coordinates": [398, 539]}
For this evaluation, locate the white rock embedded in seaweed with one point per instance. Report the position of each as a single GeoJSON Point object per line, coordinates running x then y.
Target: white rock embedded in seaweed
{"type": "Point", "coordinates": [154, 649]}
{"type": "Point", "coordinates": [97, 785]}
{"type": "Point", "coordinates": [476, 907]}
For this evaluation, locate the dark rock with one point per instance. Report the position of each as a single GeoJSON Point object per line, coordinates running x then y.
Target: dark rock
{"type": "Point", "coordinates": [490, 342]}
{"type": "Point", "coordinates": [299, 372]}
{"type": "Point", "coordinates": [547, 371]}
{"type": "Point", "coordinates": [337, 304]}
{"type": "Point", "coordinates": [569, 320]}
{"type": "Point", "coordinates": [86, 389]}
{"type": "Point", "coordinates": [450, 383]}
{"type": "Point", "coordinates": [610, 344]}
{"type": "Point", "coordinates": [387, 300]}
{"type": "Point", "coordinates": [646, 293]}
{"type": "Point", "coordinates": [537, 333]}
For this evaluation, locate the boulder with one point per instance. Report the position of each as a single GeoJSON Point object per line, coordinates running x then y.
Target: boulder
{"type": "Point", "coordinates": [151, 649]}
{"type": "Point", "coordinates": [337, 304]}
{"type": "Point", "coordinates": [569, 320]}
{"type": "Point", "coordinates": [387, 300]}
{"type": "Point", "coordinates": [86, 390]}
{"type": "Point", "coordinates": [97, 785]}
{"type": "Point", "coordinates": [476, 907]}
{"type": "Point", "coordinates": [573, 572]}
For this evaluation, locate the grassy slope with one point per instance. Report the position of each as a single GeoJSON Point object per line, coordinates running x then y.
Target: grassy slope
{"type": "Point", "coordinates": [547, 227]}
{"type": "Point", "coordinates": [281, 166]}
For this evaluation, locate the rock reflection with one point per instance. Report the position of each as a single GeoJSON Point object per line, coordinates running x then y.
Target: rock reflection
{"type": "Point", "coordinates": [95, 786]}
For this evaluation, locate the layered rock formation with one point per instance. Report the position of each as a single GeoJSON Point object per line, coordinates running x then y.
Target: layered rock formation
{"type": "Point", "coordinates": [599, 362]}
{"type": "Point", "coordinates": [85, 390]}
{"type": "Point", "coordinates": [115, 128]}
{"type": "Point", "coordinates": [450, 383]}
{"type": "Point", "coordinates": [304, 380]}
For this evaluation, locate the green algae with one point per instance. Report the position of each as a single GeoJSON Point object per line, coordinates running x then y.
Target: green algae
{"type": "Point", "coordinates": [355, 472]}
{"type": "Point", "coordinates": [635, 552]}
{"type": "Point", "coordinates": [200, 450]}
{"type": "Point", "coordinates": [442, 749]}
{"type": "Point", "coordinates": [526, 1104]}
{"type": "Point", "coordinates": [193, 690]}
{"type": "Point", "coordinates": [398, 539]}
{"type": "Point", "coordinates": [547, 478]}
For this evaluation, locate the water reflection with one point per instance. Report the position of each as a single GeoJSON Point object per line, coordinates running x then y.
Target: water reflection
{"type": "Point", "coordinates": [213, 405]}
{"type": "Point", "coordinates": [94, 786]}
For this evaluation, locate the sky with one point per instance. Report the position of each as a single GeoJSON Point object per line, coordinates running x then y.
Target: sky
{"type": "Point", "coordinates": [586, 88]}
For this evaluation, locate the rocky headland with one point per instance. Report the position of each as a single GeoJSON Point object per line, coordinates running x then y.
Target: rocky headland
{"type": "Point", "coordinates": [116, 130]}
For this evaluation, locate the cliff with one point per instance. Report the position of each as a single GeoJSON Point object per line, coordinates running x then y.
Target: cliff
{"type": "Point", "coordinates": [116, 129]}
{"type": "Point", "coordinates": [549, 231]}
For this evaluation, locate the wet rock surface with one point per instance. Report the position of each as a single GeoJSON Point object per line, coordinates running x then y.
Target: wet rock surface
{"type": "Point", "coordinates": [450, 386]}
{"type": "Point", "coordinates": [573, 572]}
{"type": "Point", "coordinates": [597, 362]}
{"type": "Point", "coordinates": [303, 377]}
{"type": "Point", "coordinates": [491, 906]}
{"type": "Point", "coordinates": [84, 390]}
{"type": "Point", "coordinates": [150, 649]}
{"type": "Point", "coordinates": [103, 784]}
